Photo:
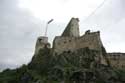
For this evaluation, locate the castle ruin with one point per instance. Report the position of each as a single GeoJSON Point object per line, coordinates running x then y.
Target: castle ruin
{"type": "Point", "coordinates": [70, 41]}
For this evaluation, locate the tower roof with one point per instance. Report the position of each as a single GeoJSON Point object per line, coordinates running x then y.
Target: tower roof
{"type": "Point", "coordinates": [72, 29]}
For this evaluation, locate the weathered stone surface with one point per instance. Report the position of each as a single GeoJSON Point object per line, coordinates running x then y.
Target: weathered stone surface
{"type": "Point", "coordinates": [42, 42]}
{"type": "Point", "coordinates": [117, 60]}
{"type": "Point", "coordinates": [72, 29]}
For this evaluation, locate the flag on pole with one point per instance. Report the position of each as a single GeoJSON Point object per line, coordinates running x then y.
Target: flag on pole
{"type": "Point", "coordinates": [49, 21]}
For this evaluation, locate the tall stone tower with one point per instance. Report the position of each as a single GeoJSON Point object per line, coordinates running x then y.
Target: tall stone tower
{"type": "Point", "coordinates": [72, 29]}
{"type": "Point", "coordinates": [41, 43]}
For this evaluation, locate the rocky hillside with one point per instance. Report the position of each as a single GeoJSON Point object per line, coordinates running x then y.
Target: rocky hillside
{"type": "Point", "coordinates": [80, 66]}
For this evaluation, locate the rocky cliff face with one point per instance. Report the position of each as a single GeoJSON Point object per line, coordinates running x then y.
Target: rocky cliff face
{"type": "Point", "coordinates": [80, 66]}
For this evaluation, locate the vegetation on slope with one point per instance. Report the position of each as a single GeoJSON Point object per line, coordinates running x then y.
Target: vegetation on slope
{"type": "Point", "coordinates": [69, 67]}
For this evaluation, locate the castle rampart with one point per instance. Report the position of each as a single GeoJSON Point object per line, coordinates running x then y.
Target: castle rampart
{"type": "Point", "coordinates": [117, 59]}
{"type": "Point", "coordinates": [91, 40]}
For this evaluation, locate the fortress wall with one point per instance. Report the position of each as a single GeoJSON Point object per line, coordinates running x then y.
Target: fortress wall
{"type": "Point", "coordinates": [117, 59]}
{"type": "Point", "coordinates": [61, 44]}
{"type": "Point", "coordinates": [91, 40]}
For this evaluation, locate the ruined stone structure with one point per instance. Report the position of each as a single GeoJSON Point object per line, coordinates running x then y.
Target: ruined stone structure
{"type": "Point", "coordinates": [65, 43]}
{"type": "Point", "coordinates": [117, 59]}
{"type": "Point", "coordinates": [72, 29]}
{"type": "Point", "coordinates": [42, 42]}
{"type": "Point", "coordinates": [70, 41]}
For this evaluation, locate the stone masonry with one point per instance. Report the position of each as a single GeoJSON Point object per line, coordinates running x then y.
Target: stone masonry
{"type": "Point", "coordinates": [42, 42]}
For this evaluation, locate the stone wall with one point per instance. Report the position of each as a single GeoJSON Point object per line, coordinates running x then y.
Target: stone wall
{"type": "Point", "coordinates": [91, 40]}
{"type": "Point", "coordinates": [72, 29]}
{"type": "Point", "coordinates": [61, 44]}
{"type": "Point", "coordinates": [41, 43]}
{"type": "Point", "coordinates": [117, 59]}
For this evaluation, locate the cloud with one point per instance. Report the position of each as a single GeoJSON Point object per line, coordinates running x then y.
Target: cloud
{"type": "Point", "coordinates": [61, 10]}
{"type": "Point", "coordinates": [18, 33]}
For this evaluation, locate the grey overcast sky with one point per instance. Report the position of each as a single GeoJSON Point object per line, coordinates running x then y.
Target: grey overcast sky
{"type": "Point", "coordinates": [22, 21]}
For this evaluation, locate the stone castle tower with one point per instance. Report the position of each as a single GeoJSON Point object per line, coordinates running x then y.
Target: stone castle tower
{"type": "Point", "coordinates": [72, 29]}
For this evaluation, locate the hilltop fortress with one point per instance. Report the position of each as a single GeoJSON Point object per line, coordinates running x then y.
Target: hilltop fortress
{"type": "Point", "coordinates": [71, 59]}
{"type": "Point", "coordinates": [70, 41]}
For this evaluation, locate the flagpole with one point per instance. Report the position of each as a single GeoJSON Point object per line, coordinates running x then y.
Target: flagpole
{"type": "Point", "coordinates": [46, 29]}
{"type": "Point", "coordinates": [47, 26]}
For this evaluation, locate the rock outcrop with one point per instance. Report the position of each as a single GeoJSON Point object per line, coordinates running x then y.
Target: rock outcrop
{"type": "Point", "coordinates": [80, 66]}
